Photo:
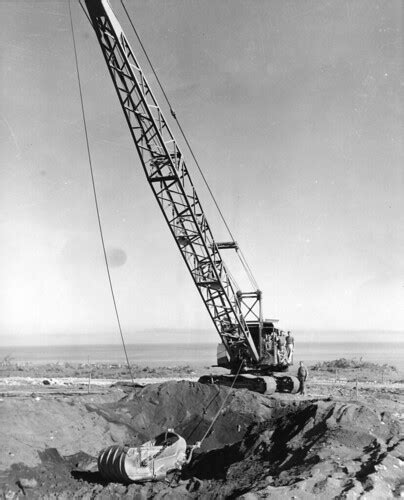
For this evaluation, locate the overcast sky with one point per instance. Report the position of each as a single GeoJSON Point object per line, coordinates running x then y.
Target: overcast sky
{"type": "Point", "coordinates": [294, 109]}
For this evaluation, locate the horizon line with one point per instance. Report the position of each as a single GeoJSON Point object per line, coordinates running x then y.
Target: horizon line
{"type": "Point", "coordinates": [190, 344]}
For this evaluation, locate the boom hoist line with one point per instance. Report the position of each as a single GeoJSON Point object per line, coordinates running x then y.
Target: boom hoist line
{"type": "Point", "coordinates": [232, 244]}
{"type": "Point", "coordinates": [170, 181]}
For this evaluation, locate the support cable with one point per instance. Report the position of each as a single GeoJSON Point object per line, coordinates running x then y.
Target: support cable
{"type": "Point", "coordinates": [221, 407]}
{"type": "Point", "coordinates": [95, 194]}
{"type": "Point", "coordinates": [247, 268]}
{"type": "Point", "coordinates": [86, 14]}
{"type": "Point", "coordinates": [173, 114]}
{"type": "Point", "coordinates": [233, 279]}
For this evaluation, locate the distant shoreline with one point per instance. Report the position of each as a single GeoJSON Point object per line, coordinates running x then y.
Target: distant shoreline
{"type": "Point", "coordinates": [189, 343]}
{"type": "Point", "coordinates": [189, 336]}
{"type": "Point", "coordinates": [197, 354]}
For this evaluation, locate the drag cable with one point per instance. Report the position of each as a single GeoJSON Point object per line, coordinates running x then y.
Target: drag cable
{"type": "Point", "coordinates": [95, 193]}
{"type": "Point", "coordinates": [221, 407]}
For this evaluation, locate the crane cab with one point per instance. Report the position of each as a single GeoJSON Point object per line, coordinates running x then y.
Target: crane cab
{"type": "Point", "coordinates": [270, 343]}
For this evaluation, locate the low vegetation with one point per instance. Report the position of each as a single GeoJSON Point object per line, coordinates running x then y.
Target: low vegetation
{"type": "Point", "coordinates": [8, 368]}
{"type": "Point", "coordinates": [351, 364]}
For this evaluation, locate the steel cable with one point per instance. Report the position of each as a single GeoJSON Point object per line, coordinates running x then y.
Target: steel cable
{"type": "Point", "coordinates": [173, 114]}
{"type": "Point", "coordinates": [221, 406]}
{"type": "Point", "coordinates": [95, 194]}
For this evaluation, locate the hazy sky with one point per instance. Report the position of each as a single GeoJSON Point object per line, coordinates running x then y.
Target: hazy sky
{"type": "Point", "coordinates": [294, 109]}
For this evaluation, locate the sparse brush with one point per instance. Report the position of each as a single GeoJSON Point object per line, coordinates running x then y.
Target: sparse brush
{"type": "Point", "coordinates": [351, 364]}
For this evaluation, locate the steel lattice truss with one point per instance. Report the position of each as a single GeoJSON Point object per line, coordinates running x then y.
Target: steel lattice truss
{"type": "Point", "coordinates": [170, 181]}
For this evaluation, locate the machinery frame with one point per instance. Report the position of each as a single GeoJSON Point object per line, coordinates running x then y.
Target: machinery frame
{"type": "Point", "coordinates": [170, 181]}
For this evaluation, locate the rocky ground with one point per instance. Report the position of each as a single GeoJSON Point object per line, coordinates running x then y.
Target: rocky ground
{"type": "Point", "coordinates": [342, 440]}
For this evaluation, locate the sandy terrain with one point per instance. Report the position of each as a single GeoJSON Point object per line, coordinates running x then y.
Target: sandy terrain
{"type": "Point", "coordinates": [342, 440]}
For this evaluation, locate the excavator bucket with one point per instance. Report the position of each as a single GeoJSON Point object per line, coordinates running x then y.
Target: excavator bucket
{"type": "Point", "coordinates": [149, 462]}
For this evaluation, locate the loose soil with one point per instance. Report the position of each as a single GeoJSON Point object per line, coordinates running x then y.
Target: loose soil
{"type": "Point", "coordinates": [343, 440]}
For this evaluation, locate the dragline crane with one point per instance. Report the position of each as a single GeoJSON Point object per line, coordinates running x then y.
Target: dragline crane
{"type": "Point", "coordinates": [248, 343]}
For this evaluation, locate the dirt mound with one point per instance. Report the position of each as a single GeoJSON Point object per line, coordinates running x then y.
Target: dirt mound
{"type": "Point", "coordinates": [189, 408]}
{"type": "Point", "coordinates": [32, 424]}
{"type": "Point", "coordinates": [260, 446]}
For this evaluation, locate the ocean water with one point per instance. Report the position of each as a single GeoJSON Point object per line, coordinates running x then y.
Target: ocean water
{"type": "Point", "coordinates": [199, 355]}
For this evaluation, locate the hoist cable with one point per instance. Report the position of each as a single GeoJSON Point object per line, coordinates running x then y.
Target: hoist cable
{"type": "Point", "coordinates": [95, 193]}
{"type": "Point", "coordinates": [86, 14]}
{"type": "Point", "coordinates": [221, 406]}
{"type": "Point", "coordinates": [233, 279]}
{"type": "Point", "coordinates": [247, 268]}
{"type": "Point", "coordinates": [173, 114]}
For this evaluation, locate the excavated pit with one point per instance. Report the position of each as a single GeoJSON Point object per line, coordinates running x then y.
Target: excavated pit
{"type": "Point", "coordinates": [272, 447]}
